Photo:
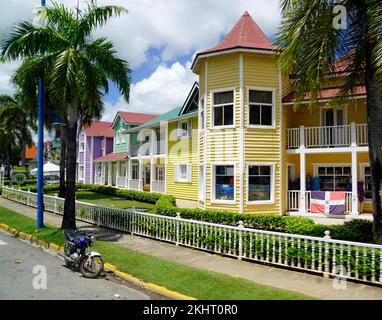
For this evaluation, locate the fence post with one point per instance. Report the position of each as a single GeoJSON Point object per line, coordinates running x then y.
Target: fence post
{"type": "Point", "coordinates": [177, 228]}
{"type": "Point", "coordinates": [326, 256]}
{"type": "Point", "coordinates": [241, 227]}
{"type": "Point", "coordinates": [28, 197]}
{"type": "Point", "coordinates": [55, 204]}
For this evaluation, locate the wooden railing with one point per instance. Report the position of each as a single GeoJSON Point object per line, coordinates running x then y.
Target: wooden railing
{"type": "Point", "coordinates": [293, 201]}
{"type": "Point", "coordinates": [321, 255]}
{"type": "Point", "coordinates": [158, 186]}
{"type": "Point", "coordinates": [327, 136]}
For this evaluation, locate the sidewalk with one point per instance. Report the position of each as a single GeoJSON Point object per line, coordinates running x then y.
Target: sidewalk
{"type": "Point", "coordinates": [312, 285]}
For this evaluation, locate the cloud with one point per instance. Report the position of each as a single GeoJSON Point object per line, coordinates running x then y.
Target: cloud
{"type": "Point", "coordinates": [166, 88]}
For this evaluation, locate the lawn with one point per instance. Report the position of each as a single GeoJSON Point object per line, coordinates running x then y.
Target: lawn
{"type": "Point", "coordinates": [191, 281]}
{"type": "Point", "coordinates": [114, 202]}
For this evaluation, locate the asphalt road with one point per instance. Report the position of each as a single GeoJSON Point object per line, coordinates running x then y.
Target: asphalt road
{"type": "Point", "coordinates": [19, 259]}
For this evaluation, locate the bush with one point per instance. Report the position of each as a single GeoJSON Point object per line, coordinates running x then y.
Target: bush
{"type": "Point", "coordinates": [355, 230]}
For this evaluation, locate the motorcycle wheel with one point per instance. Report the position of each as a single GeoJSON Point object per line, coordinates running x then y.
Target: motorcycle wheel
{"type": "Point", "coordinates": [91, 267]}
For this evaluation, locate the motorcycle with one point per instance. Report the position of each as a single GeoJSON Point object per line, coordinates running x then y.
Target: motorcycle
{"type": "Point", "coordinates": [76, 254]}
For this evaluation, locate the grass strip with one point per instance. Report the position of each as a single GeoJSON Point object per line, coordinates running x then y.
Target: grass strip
{"type": "Point", "coordinates": [190, 281]}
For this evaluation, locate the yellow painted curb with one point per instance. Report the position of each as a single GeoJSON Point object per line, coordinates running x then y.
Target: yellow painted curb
{"type": "Point", "coordinates": [107, 266]}
{"type": "Point", "coordinates": [54, 246]}
{"type": "Point", "coordinates": [153, 287]}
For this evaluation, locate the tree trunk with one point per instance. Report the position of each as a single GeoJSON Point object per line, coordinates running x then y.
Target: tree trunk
{"type": "Point", "coordinates": [23, 146]}
{"type": "Point", "coordinates": [374, 122]}
{"type": "Point", "coordinates": [69, 219]}
{"type": "Point", "coordinates": [62, 189]}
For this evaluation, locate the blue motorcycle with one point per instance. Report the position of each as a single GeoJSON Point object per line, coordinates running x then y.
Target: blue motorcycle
{"type": "Point", "coordinates": [77, 256]}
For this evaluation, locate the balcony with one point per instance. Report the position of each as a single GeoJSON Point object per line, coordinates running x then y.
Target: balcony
{"type": "Point", "coordinates": [158, 186]}
{"type": "Point", "coordinates": [327, 137]}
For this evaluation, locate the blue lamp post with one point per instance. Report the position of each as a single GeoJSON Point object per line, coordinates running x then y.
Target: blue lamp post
{"type": "Point", "coordinates": [40, 155]}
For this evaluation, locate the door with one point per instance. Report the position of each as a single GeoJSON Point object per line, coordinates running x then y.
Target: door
{"type": "Point", "coordinates": [334, 132]}
{"type": "Point", "coordinates": [113, 173]}
{"type": "Point", "coordinates": [106, 173]}
{"type": "Point", "coordinates": [146, 178]}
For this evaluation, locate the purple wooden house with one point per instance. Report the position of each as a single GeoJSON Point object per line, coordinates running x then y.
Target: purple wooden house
{"type": "Point", "coordinates": [95, 141]}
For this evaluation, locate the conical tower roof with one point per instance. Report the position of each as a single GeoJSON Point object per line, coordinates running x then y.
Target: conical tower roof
{"type": "Point", "coordinates": [245, 34]}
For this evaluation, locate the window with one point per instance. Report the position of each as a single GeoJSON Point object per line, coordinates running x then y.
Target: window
{"type": "Point", "coordinates": [182, 173]}
{"type": "Point", "coordinates": [367, 182]}
{"type": "Point", "coordinates": [334, 177]}
{"type": "Point", "coordinates": [117, 137]}
{"type": "Point", "coordinates": [123, 139]}
{"type": "Point", "coordinates": [82, 173]}
{"type": "Point", "coordinates": [82, 146]}
{"type": "Point", "coordinates": [223, 109]}
{"type": "Point", "coordinates": [159, 173]}
{"type": "Point", "coordinates": [135, 171]}
{"type": "Point", "coordinates": [201, 182]}
{"type": "Point", "coordinates": [99, 169]}
{"type": "Point", "coordinates": [224, 188]}
{"type": "Point", "coordinates": [260, 108]}
{"type": "Point", "coordinates": [201, 115]}
{"type": "Point", "coordinates": [103, 143]}
{"type": "Point", "coordinates": [260, 183]}
{"type": "Point", "coordinates": [184, 129]}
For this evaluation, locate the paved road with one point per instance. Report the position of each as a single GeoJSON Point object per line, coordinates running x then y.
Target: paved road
{"type": "Point", "coordinates": [17, 260]}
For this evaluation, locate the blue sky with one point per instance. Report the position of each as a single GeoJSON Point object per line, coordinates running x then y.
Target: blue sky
{"type": "Point", "coordinates": [159, 39]}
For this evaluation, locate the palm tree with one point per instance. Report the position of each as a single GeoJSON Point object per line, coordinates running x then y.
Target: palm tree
{"type": "Point", "coordinates": [309, 46]}
{"type": "Point", "coordinates": [18, 116]}
{"type": "Point", "coordinates": [76, 68]}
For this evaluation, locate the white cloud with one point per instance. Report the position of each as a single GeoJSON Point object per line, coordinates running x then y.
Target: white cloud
{"type": "Point", "coordinates": [166, 88]}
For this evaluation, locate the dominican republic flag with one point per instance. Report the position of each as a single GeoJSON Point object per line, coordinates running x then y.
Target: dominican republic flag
{"type": "Point", "coordinates": [327, 202]}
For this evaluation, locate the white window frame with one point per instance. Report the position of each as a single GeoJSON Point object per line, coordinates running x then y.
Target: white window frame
{"type": "Point", "coordinates": [159, 168]}
{"type": "Point", "coordinates": [362, 167]}
{"type": "Point", "coordinates": [202, 112]}
{"type": "Point", "coordinates": [269, 89]}
{"type": "Point", "coordinates": [118, 137]}
{"type": "Point", "coordinates": [123, 136]}
{"type": "Point", "coordinates": [212, 92]}
{"type": "Point", "coordinates": [201, 185]}
{"type": "Point", "coordinates": [335, 108]}
{"type": "Point", "coordinates": [82, 146]}
{"type": "Point", "coordinates": [81, 176]}
{"type": "Point", "coordinates": [177, 173]}
{"type": "Point", "coordinates": [103, 143]}
{"type": "Point", "coordinates": [181, 133]}
{"type": "Point", "coordinates": [273, 183]}
{"type": "Point", "coordinates": [213, 195]}
{"type": "Point", "coordinates": [135, 166]}
{"type": "Point", "coordinates": [317, 165]}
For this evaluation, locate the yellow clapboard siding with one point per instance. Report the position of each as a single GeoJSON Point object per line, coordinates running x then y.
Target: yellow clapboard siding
{"type": "Point", "coordinates": [182, 151]}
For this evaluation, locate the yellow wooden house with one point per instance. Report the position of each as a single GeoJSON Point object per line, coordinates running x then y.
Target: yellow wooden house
{"type": "Point", "coordinates": [239, 144]}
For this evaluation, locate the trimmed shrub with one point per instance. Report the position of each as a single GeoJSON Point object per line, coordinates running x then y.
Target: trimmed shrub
{"type": "Point", "coordinates": [355, 230]}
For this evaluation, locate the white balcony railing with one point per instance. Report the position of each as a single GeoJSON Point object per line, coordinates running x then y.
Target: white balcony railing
{"type": "Point", "coordinates": [293, 201]}
{"type": "Point", "coordinates": [147, 149]}
{"type": "Point", "coordinates": [135, 184]}
{"type": "Point", "coordinates": [158, 186]}
{"type": "Point", "coordinates": [327, 136]}
{"type": "Point", "coordinates": [121, 181]}
{"type": "Point", "coordinates": [98, 180]}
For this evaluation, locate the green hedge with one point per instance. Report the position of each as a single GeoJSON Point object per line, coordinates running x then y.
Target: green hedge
{"type": "Point", "coordinates": [355, 230]}
{"type": "Point", "coordinates": [27, 182]}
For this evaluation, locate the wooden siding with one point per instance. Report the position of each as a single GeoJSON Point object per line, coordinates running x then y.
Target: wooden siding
{"type": "Point", "coordinates": [182, 151]}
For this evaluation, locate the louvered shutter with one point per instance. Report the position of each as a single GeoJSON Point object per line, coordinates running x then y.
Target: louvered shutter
{"type": "Point", "coordinates": [176, 173]}
{"type": "Point", "coordinates": [189, 173]}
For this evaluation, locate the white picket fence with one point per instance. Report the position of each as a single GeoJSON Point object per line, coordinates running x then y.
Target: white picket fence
{"type": "Point", "coordinates": [326, 256]}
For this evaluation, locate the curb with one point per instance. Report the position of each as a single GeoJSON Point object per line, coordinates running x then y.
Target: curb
{"type": "Point", "coordinates": [107, 266]}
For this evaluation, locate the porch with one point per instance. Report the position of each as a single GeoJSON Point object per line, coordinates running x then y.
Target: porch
{"type": "Point", "coordinates": [340, 171]}
{"type": "Point", "coordinates": [132, 174]}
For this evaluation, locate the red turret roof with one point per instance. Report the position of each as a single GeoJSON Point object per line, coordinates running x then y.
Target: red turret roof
{"type": "Point", "coordinates": [245, 34]}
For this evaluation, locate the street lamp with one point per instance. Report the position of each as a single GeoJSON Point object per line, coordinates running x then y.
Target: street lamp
{"type": "Point", "coordinates": [40, 155]}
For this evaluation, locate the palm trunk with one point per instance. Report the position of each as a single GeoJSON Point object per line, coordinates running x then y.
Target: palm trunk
{"type": "Point", "coordinates": [374, 122]}
{"type": "Point", "coordinates": [23, 146]}
{"type": "Point", "coordinates": [69, 218]}
{"type": "Point", "coordinates": [62, 189]}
